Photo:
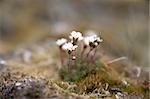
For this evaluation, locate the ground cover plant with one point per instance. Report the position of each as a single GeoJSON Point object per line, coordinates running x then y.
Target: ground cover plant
{"type": "Point", "coordinates": [82, 57]}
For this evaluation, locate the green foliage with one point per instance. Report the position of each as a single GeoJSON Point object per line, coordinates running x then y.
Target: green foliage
{"type": "Point", "coordinates": [80, 70]}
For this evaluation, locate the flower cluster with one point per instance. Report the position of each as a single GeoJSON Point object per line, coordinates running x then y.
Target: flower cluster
{"type": "Point", "coordinates": [72, 44]}
{"type": "Point", "coordinates": [76, 39]}
{"type": "Point", "coordinates": [69, 46]}
{"type": "Point", "coordinates": [92, 41]}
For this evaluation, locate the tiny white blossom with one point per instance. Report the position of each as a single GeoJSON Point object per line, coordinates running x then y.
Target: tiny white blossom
{"type": "Point", "coordinates": [66, 46]}
{"type": "Point", "coordinates": [86, 40]}
{"type": "Point", "coordinates": [99, 39]}
{"type": "Point", "coordinates": [92, 40]}
{"type": "Point", "coordinates": [76, 35]}
{"type": "Point", "coordinates": [89, 39]}
{"type": "Point", "coordinates": [74, 47]}
{"type": "Point", "coordinates": [93, 36]}
{"type": "Point", "coordinates": [74, 57]}
{"type": "Point", "coordinates": [61, 41]}
{"type": "Point", "coordinates": [69, 46]}
{"type": "Point", "coordinates": [96, 44]}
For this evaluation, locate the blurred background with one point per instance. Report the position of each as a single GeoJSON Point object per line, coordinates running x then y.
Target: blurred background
{"type": "Point", "coordinates": [123, 24]}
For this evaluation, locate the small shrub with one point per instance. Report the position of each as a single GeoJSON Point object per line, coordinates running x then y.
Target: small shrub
{"type": "Point", "coordinates": [82, 56]}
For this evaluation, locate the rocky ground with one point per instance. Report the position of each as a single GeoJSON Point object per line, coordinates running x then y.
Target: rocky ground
{"type": "Point", "coordinates": [32, 72]}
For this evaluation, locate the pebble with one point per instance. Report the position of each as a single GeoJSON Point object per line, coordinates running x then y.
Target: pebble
{"type": "Point", "coordinates": [2, 62]}
{"type": "Point", "coordinates": [18, 84]}
{"type": "Point", "coordinates": [26, 56]}
{"type": "Point", "coordinates": [3, 65]}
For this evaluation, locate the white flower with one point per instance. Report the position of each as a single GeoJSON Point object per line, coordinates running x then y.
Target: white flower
{"type": "Point", "coordinates": [93, 36]}
{"type": "Point", "coordinates": [99, 40]}
{"type": "Point", "coordinates": [66, 46]}
{"type": "Point", "coordinates": [69, 46]}
{"type": "Point", "coordinates": [96, 44]}
{"type": "Point", "coordinates": [76, 35]}
{"type": "Point", "coordinates": [61, 41]}
{"type": "Point", "coordinates": [74, 57]}
{"type": "Point", "coordinates": [93, 40]}
{"type": "Point", "coordinates": [89, 39]}
{"type": "Point", "coordinates": [86, 40]}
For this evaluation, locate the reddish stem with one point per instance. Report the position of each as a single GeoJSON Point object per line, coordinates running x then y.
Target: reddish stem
{"type": "Point", "coordinates": [61, 57]}
{"type": "Point", "coordinates": [69, 62]}
{"type": "Point", "coordinates": [94, 55]}
{"type": "Point", "coordinates": [89, 52]}
{"type": "Point", "coordinates": [83, 50]}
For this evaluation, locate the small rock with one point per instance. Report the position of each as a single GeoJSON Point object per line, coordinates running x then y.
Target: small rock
{"type": "Point", "coordinates": [27, 56]}
{"type": "Point", "coordinates": [2, 62]}
{"type": "Point", "coordinates": [3, 65]}
{"type": "Point", "coordinates": [18, 84]}
{"type": "Point", "coordinates": [26, 88]}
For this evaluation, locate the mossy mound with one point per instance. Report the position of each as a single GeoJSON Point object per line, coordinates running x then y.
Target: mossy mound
{"type": "Point", "coordinates": [108, 83]}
